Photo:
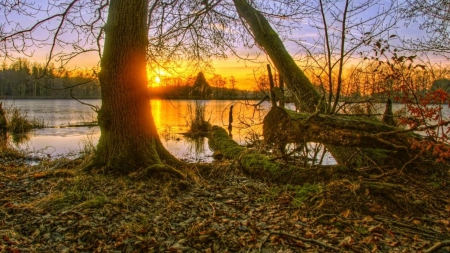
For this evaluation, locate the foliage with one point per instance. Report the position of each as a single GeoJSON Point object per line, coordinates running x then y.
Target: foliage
{"type": "Point", "coordinates": [424, 106]}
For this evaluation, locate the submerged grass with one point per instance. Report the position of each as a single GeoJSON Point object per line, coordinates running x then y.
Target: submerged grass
{"type": "Point", "coordinates": [198, 125]}
{"type": "Point", "coordinates": [18, 121]}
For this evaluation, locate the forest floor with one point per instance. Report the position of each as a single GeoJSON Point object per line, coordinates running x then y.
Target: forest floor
{"type": "Point", "coordinates": [56, 207]}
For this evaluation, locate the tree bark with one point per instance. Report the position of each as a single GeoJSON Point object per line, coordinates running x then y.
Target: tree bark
{"type": "Point", "coordinates": [129, 139]}
{"type": "Point", "coordinates": [306, 95]}
{"type": "Point", "coordinates": [3, 127]}
{"type": "Point", "coordinates": [282, 125]}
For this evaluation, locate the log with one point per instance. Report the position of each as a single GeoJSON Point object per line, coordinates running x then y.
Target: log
{"type": "Point", "coordinates": [262, 167]}
{"type": "Point", "coordinates": [284, 126]}
{"type": "Point", "coordinates": [307, 97]}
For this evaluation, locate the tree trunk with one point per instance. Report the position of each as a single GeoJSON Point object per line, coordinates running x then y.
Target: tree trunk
{"type": "Point", "coordinates": [306, 95]}
{"type": "Point", "coordinates": [129, 139]}
{"type": "Point", "coordinates": [3, 128]}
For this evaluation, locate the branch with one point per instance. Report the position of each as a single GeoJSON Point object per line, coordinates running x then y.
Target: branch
{"type": "Point", "coordinates": [437, 246]}
{"type": "Point", "coordinates": [93, 107]}
{"type": "Point", "coordinates": [297, 238]}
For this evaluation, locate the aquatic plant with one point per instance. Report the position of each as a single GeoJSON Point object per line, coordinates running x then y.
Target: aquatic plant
{"type": "Point", "coordinates": [18, 121]}
{"type": "Point", "coordinates": [198, 125]}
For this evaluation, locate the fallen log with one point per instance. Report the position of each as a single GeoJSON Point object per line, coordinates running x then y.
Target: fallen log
{"type": "Point", "coordinates": [354, 141]}
{"type": "Point", "coordinates": [284, 126]}
{"type": "Point", "coordinates": [262, 167]}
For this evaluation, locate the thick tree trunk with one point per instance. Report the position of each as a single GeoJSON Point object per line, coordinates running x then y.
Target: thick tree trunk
{"type": "Point", "coordinates": [306, 95]}
{"type": "Point", "coordinates": [129, 139]}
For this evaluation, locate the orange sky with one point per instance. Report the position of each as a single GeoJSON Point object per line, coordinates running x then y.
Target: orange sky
{"type": "Point", "coordinates": [242, 70]}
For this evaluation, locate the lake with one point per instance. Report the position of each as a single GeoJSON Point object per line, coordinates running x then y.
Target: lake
{"type": "Point", "coordinates": [171, 117]}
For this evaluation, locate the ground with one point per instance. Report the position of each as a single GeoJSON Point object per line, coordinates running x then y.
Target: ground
{"type": "Point", "coordinates": [56, 207]}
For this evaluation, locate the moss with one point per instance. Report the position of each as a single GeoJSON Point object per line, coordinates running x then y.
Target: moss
{"type": "Point", "coordinates": [95, 202]}
{"type": "Point", "coordinates": [219, 140]}
{"type": "Point", "coordinates": [302, 192]}
{"type": "Point", "coordinates": [255, 164]}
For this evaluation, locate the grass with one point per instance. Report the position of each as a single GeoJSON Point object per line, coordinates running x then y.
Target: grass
{"type": "Point", "coordinates": [18, 122]}
{"type": "Point", "coordinates": [303, 192]}
{"type": "Point", "coordinates": [198, 125]}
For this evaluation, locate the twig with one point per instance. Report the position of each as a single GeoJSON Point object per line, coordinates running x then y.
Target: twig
{"type": "Point", "coordinates": [437, 246]}
{"type": "Point", "coordinates": [405, 226]}
{"type": "Point", "coordinates": [286, 155]}
{"type": "Point", "coordinates": [297, 238]}
{"type": "Point", "coordinates": [7, 177]}
{"type": "Point", "coordinates": [382, 175]}
{"type": "Point", "coordinates": [322, 216]}
{"type": "Point", "coordinates": [95, 108]}
{"type": "Point", "coordinates": [410, 161]}
{"type": "Point", "coordinates": [213, 210]}
{"type": "Point", "coordinates": [317, 112]}
{"type": "Point", "coordinates": [262, 100]}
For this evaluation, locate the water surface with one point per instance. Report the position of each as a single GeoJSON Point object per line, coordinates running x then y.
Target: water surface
{"type": "Point", "coordinates": [171, 118]}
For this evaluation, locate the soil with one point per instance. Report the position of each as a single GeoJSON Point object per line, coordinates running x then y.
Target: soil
{"type": "Point", "coordinates": [57, 207]}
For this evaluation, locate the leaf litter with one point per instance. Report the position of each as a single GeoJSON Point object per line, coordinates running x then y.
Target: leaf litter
{"type": "Point", "coordinates": [56, 207]}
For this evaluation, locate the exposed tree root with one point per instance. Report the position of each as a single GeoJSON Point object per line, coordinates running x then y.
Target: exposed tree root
{"type": "Point", "coordinates": [158, 168]}
{"type": "Point", "coordinates": [343, 188]}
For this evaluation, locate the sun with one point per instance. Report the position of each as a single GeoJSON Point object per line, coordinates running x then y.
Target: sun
{"type": "Point", "coordinates": [158, 80]}
{"type": "Point", "coordinates": [155, 77]}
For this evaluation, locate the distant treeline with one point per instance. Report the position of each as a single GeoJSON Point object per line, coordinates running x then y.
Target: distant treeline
{"type": "Point", "coordinates": [186, 92]}
{"type": "Point", "coordinates": [23, 79]}
{"type": "Point", "coordinates": [200, 88]}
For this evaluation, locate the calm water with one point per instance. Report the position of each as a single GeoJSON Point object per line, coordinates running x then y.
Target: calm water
{"type": "Point", "coordinates": [171, 117]}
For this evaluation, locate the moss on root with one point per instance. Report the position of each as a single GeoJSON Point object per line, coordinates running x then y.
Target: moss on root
{"type": "Point", "coordinates": [219, 140]}
{"type": "Point", "coordinates": [258, 165]}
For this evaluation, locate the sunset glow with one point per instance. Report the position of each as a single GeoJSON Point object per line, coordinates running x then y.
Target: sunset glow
{"type": "Point", "coordinates": [157, 80]}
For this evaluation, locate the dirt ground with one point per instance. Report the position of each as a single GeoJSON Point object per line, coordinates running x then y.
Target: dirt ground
{"type": "Point", "coordinates": [56, 207]}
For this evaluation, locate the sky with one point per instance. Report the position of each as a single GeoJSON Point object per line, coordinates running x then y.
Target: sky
{"type": "Point", "coordinates": [243, 71]}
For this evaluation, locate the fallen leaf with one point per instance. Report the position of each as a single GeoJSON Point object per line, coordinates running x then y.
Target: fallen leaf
{"type": "Point", "coordinates": [348, 241]}
{"type": "Point", "coordinates": [346, 213]}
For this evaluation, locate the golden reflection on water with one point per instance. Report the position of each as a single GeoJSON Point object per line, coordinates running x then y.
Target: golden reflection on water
{"type": "Point", "coordinates": [156, 106]}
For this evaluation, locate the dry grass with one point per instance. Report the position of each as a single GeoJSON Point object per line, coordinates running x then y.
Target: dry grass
{"type": "Point", "coordinates": [18, 121]}
{"type": "Point", "coordinates": [198, 125]}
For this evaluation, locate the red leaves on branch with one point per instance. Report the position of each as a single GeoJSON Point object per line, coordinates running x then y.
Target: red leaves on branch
{"type": "Point", "coordinates": [425, 113]}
